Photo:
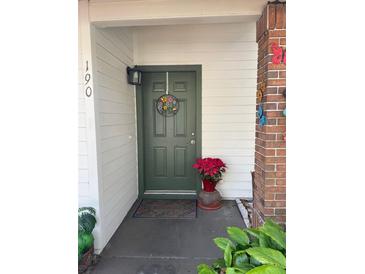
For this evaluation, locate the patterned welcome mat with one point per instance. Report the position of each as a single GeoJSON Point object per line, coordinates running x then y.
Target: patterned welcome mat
{"type": "Point", "coordinates": [166, 209]}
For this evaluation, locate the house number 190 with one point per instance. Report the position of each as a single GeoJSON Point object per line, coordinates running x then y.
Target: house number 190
{"type": "Point", "coordinates": [88, 89]}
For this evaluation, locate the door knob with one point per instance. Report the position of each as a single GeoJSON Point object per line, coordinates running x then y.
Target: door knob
{"type": "Point", "coordinates": [192, 142]}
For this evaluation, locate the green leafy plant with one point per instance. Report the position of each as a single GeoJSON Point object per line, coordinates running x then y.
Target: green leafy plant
{"type": "Point", "coordinates": [87, 221]}
{"type": "Point", "coordinates": [259, 250]}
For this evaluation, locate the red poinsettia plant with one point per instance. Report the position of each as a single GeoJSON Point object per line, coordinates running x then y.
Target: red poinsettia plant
{"type": "Point", "coordinates": [210, 169]}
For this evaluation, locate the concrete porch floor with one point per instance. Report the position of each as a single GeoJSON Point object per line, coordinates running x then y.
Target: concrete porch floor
{"type": "Point", "coordinates": [172, 246]}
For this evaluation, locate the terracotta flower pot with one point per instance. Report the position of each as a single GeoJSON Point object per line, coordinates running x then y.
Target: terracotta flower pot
{"type": "Point", "coordinates": [86, 260]}
{"type": "Point", "coordinates": [209, 198]}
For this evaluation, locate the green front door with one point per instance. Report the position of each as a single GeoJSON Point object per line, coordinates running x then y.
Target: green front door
{"type": "Point", "coordinates": [169, 143]}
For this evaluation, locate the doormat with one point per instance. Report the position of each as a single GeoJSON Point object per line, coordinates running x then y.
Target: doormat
{"type": "Point", "coordinates": [166, 209]}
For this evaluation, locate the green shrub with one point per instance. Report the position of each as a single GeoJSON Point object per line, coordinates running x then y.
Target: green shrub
{"type": "Point", "coordinates": [87, 223]}
{"type": "Point", "coordinates": [259, 250]}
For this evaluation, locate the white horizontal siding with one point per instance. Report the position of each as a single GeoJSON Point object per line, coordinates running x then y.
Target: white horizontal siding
{"type": "Point", "coordinates": [116, 126]}
{"type": "Point", "coordinates": [83, 184]}
{"type": "Point", "coordinates": [228, 55]}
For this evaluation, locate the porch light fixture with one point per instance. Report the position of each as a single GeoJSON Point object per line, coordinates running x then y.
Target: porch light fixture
{"type": "Point", "coordinates": [134, 76]}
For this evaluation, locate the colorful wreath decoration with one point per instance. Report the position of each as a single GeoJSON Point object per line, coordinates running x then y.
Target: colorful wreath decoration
{"type": "Point", "coordinates": [167, 105]}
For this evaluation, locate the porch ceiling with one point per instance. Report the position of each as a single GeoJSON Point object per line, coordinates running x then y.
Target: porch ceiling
{"type": "Point", "coordinates": [177, 21]}
{"type": "Point", "coordinates": [113, 13]}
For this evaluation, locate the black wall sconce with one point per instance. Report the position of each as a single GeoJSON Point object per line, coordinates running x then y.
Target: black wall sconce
{"type": "Point", "coordinates": [134, 76]}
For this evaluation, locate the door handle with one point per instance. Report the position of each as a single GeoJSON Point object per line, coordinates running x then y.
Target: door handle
{"type": "Point", "coordinates": [192, 142]}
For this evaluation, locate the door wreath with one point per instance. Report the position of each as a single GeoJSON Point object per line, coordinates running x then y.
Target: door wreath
{"type": "Point", "coordinates": [167, 105]}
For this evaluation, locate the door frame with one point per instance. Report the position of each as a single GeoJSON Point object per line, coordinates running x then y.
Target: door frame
{"type": "Point", "coordinates": [198, 120]}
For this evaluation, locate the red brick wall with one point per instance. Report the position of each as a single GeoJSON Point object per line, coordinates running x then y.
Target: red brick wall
{"type": "Point", "coordinates": [269, 188]}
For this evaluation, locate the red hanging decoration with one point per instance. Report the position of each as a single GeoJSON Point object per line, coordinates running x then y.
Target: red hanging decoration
{"type": "Point", "coordinates": [279, 54]}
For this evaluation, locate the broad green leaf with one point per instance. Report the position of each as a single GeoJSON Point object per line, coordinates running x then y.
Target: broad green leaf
{"type": "Point", "coordinates": [267, 256]}
{"type": "Point", "coordinates": [240, 258]}
{"type": "Point", "coordinates": [253, 232]}
{"type": "Point", "coordinates": [219, 263]}
{"type": "Point", "coordinates": [222, 243]}
{"type": "Point", "coordinates": [255, 243]}
{"type": "Point", "coordinates": [205, 269]}
{"type": "Point", "coordinates": [238, 235]}
{"type": "Point", "coordinates": [274, 245]}
{"type": "Point", "coordinates": [273, 224]}
{"type": "Point", "coordinates": [264, 241]}
{"type": "Point", "coordinates": [242, 247]}
{"type": "Point", "coordinates": [228, 255]}
{"type": "Point", "coordinates": [254, 262]}
{"type": "Point", "coordinates": [275, 232]}
{"type": "Point", "coordinates": [260, 238]}
{"type": "Point", "coordinates": [267, 269]}
{"type": "Point", "coordinates": [235, 270]}
{"type": "Point", "coordinates": [244, 266]}
{"type": "Point", "coordinates": [86, 222]}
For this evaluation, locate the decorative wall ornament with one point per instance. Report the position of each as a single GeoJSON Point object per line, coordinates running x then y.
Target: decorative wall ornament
{"type": "Point", "coordinates": [262, 117]}
{"type": "Point", "coordinates": [261, 90]}
{"type": "Point", "coordinates": [259, 95]}
{"type": "Point", "coordinates": [260, 111]}
{"type": "Point", "coordinates": [279, 54]}
{"type": "Point", "coordinates": [167, 105]}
